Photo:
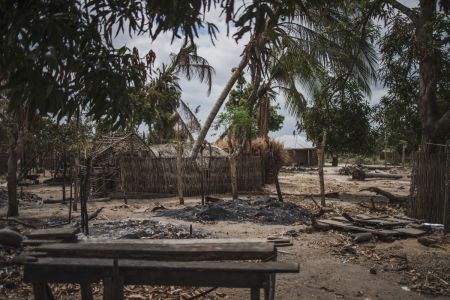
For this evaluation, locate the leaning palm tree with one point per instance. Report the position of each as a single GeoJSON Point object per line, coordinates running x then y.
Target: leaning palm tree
{"type": "Point", "coordinates": [312, 29]}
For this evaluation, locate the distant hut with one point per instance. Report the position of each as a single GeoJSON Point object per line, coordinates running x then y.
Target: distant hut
{"type": "Point", "coordinates": [301, 151]}
{"type": "Point", "coordinates": [106, 157]}
{"type": "Point", "coordinates": [391, 156]}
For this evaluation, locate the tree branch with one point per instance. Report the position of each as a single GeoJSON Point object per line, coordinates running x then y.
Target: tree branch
{"type": "Point", "coordinates": [403, 9]}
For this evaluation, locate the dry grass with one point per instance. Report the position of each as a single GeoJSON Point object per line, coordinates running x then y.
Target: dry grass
{"type": "Point", "coordinates": [264, 148]}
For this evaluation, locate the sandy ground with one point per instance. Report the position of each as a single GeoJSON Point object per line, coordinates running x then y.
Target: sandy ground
{"type": "Point", "coordinates": [325, 272]}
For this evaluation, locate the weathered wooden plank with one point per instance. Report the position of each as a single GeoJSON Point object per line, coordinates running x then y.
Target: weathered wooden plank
{"type": "Point", "coordinates": [410, 232]}
{"type": "Point", "coordinates": [133, 264]}
{"type": "Point", "coordinates": [376, 222]}
{"type": "Point", "coordinates": [53, 233]}
{"type": "Point", "coordinates": [180, 252]}
{"type": "Point", "coordinates": [278, 242]}
{"type": "Point", "coordinates": [35, 242]}
{"type": "Point", "coordinates": [350, 227]}
{"type": "Point", "coordinates": [186, 241]}
{"type": "Point", "coordinates": [223, 274]}
{"type": "Point", "coordinates": [369, 217]}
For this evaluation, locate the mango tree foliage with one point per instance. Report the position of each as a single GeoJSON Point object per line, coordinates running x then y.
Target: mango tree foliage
{"type": "Point", "coordinates": [398, 113]}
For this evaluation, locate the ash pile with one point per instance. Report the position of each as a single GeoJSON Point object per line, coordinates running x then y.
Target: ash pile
{"type": "Point", "coordinates": [265, 210]}
{"type": "Point", "coordinates": [143, 229]}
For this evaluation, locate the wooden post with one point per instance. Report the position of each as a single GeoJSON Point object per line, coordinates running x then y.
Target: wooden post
{"type": "Point", "coordinates": [233, 170]}
{"type": "Point", "coordinates": [321, 158]}
{"type": "Point", "coordinates": [179, 165]}
{"type": "Point", "coordinates": [309, 158]}
{"type": "Point", "coordinates": [202, 185]}
{"type": "Point", "coordinates": [84, 195]}
{"type": "Point", "coordinates": [254, 293]}
{"type": "Point", "coordinates": [403, 154]}
{"type": "Point", "coordinates": [76, 174]}
{"type": "Point", "coordinates": [446, 192]}
{"type": "Point", "coordinates": [277, 186]}
{"type": "Point", "coordinates": [64, 175]}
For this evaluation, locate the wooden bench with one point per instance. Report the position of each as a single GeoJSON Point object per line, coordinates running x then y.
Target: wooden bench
{"type": "Point", "coordinates": [117, 273]}
{"type": "Point", "coordinates": [202, 263]}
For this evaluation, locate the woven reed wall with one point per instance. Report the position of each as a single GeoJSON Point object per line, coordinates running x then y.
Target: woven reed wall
{"type": "Point", "coordinates": [429, 186]}
{"type": "Point", "coordinates": [158, 175]}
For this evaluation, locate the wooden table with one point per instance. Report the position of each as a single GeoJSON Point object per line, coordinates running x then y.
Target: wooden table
{"type": "Point", "coordinates": [204, 262]}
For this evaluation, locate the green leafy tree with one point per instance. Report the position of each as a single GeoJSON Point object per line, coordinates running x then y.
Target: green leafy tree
{"type": "Point", "coordinates": [261, 105]}
{"type": "Point", "coordinates": [398, 113]}
{"type": "Point", "coordinates": [240, 127]}
{"type": "Point", "coordinates": [346, 117]}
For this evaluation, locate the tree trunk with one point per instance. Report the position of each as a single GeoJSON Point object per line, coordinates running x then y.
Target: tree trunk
{"type": "Point", "coordinates": [263, 116]}
{"type": "Point", "coordinates": [233, 170]}
{"type": "Point", "coordinates": [76, 184]}
{"type": "Point", "coordinates": [64, 175]}
{"type": "Point", "coordinates": [179, 166]}
{"type": "Point", "coordinates": [212, 114]}
{"type": "Point", "coordinates": [427, 69]}
{"type": "Point", "coordinates": [403, 155]}
{"type": "Point", "coordinates": [13, 204]}
{"type": "Point", "coordinates": [321, 161]}
{"type": "Point", "coordinates": [335, 160]}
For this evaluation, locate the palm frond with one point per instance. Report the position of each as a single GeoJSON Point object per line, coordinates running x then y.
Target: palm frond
{"type": "Point", "coordinates": [191, 65]}
{"type": "Point", "coordinates": [188, 118]}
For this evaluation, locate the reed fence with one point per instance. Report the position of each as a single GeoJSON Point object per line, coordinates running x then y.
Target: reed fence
{"type": "Point", "coordinates": [158, 175]}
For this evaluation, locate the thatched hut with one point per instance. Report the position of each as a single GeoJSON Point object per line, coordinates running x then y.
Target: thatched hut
{"type": "Point", "coordinates": [106, 160]}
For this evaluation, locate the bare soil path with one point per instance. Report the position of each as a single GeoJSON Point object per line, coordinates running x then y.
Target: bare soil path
{"type": "Point", "coordinates": [327, 270]}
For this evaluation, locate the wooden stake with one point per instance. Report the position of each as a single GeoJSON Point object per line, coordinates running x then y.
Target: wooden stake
{"type": "Point", "coordinates": [277, 185]}
{"type": "Point", "coordinates": [179, 165]}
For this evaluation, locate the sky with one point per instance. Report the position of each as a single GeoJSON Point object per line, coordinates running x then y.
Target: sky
{"type": "Point", "coordinates": [223, 56]}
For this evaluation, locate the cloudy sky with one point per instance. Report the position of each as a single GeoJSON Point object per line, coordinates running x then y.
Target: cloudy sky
{"type": "Point", "coordinates": [223, 56]}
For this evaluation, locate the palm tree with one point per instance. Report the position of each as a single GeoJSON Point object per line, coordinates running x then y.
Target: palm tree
{"type": "Point", "coordinates": [159, 104]}
{"type": "Point", "coordinates": [162, 107]}
{"type": "Point", "coordinates": [312, 31]}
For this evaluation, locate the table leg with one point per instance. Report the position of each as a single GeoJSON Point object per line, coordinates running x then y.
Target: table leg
{"type": "Point", "coordinates": [42, 291]}
{"type": "Point", "coordinates": [86, 291]}
{"type": "Point", "coordinates": [113, 288]}
{"type": "Point", "coordinates": [254, 294]}
{"type": "Point", "coordinates": [269, 288]}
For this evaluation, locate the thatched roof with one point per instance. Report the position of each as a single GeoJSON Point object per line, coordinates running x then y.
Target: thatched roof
{"type": "Point", "coordinates": [170, 150]}
{"type": "Point", "coordinates": [124, 144]}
